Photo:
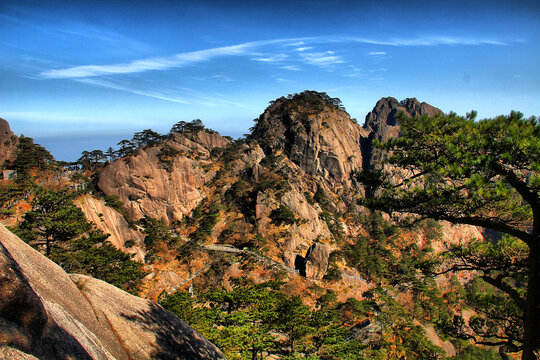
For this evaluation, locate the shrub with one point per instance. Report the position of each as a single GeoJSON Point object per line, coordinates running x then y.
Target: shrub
{"type": "Point", "coordinates": [283, 215]}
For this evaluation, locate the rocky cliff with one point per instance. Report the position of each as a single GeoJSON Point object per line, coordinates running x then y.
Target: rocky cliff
{"type": "Point", "coordinates": [164, 184]}
{"type": "Point", "coordinates": [281, 204]}
{"type": "Point", "coordinates": [113, 223]}
{"type": "Point", "coordinates": [8, 142]}
{"type": "Point", "coordinates": [318, 137]}
{"type": "Point", "coordinates": [49, 314]}
{"type": "Point", "coordinates": [287, 184]}
{"type": "Point", "coordinates": [382, 123]}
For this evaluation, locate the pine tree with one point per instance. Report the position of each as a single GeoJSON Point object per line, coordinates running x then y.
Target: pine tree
{"type": "Point", "coordinates": [483, 173]}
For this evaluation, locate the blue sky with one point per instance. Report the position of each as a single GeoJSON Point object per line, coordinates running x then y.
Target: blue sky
{"type": "Point", "coordinates": [78, 75]}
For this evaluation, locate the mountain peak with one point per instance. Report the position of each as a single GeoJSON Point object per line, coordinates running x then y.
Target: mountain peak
{"type": "Point", "coordinates": [314, 131]}
{"type": "Point", "coordinates": [382, 123]}
{"type": "Point", "coordinates": [382, 120]}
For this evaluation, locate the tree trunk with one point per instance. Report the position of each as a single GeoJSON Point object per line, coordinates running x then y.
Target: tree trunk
{"type": "Point", "coordinates": [48, 247]}
{"type": "Point", "coordinates": [531, 347]}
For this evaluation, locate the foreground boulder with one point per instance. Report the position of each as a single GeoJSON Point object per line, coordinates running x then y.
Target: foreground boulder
{"type": "Point", "coordinates": [49, 314]}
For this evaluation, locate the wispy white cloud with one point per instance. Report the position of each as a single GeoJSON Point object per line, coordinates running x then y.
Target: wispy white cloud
{"type": "Point", "coordinates": [207, 98]}
{"type": "Point", "coordinates": [322, 59]}
{"type": "Point", "coordinates": [222, 77]}
{"type": "Point", "coordinates": [117, 42]}
{"type": "Point", "coordinates": [296, 43]}
{"type": "Point", "coordinates": [274, 51]}
{"type": "Point", "coordinates": [191, 97]}
{"type": "Point", "coordinates": [430, 41]}
{"type": "Point", "coordinates": [291, 68]}
{"type": "Point", "coordinates": [314, 58]}
{"type": "Point", "coordinates": [280, 80]}
{"type": "Point", "coordinates": [163, 63]}
{"type": "Point", "coordinates": [152, 94]}
{"type": "Point", "coordinates": [271, 58]}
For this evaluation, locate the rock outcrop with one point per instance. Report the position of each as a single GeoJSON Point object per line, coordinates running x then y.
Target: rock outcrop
{"type": "Point", "coordinates": [8, 142]}
{"type": "Point", "coordinates": [111, 222]}
{"type": "Point", "coordinates": [300, 157]}
{"type": "Point", "coordinates": [155, 184]}
{"type": "Point", "coordinates": [382, 120]}
{"type": "Point", "coordinates": [315, 263]}
{"type": "Point", "coordinates": [45, 313]}
{"type": "Point", "coordinates": [382, 123]}
{"type": "Point", "coordinates": [318, 137]}
{"type": "Point", "coordinates": [145, 329]}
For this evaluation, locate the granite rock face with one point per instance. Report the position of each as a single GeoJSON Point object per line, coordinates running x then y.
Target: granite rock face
{"type": "Point", "coordinates": [111, 222]}
{"type": "Point", "coordinates": [382, 123]}
{"type": "Point", "coordinates": [149, 184]}
{"type": "Point", "coordinates": [22, 315]}
{"type": "Point", "coordinates": [382, 120]}
{"type": "Point", "coordinates": [317, 261]}
{"type": "Point", "coordinates": [67, 323]}
{"type": "Point", "coordinates": [8, 142]}
{"type": "Point", "coordinates": [319, 138]}
{"type": "Point", "coordinates": [145, 329]}
{"type": "Point", "coordinates": [49, 314]}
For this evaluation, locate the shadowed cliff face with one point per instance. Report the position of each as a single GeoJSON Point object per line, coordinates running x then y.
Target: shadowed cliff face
{"type": "Point", "coordinates": [382, 123]}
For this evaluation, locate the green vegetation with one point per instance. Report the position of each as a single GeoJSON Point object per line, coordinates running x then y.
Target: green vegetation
{"type": "Point", "coordinates": [283, 216]}
{"type": "Point", "coordinates": [311, 99]}
{"type": "Point", "coordinates": [92, 255]}
{"type": "Point", "coordinates": [256, 321]}
{"type": "Point", "coordinates": [476, 353]}
{"type": "Point", "coordinates": [166, 155]}
{"type": "Point", "coordinates": [155, 233]}
{"type": "Point", "coordinates": [28, 156]}
{"type": "Point", "coordinates": [91, 160]}
{"type": "Point", "coordinates": [483, 173]}
{"type": "Point", "coordinates": [53, 218]}
{"type": "Point", "coordinates": [471, 180]}
{"type": "Point", "coordinates": [192, 126]}
{"type": "Point", "coordinates": [10, 193]}
{"type": "Point", "coordinates": [146, 138]}
{"type": "Point", "coordinates": [201, 224]}
{"type": "Point", "coordinates": [205, 217]}
{"type": "Point", "coordinates": [75, 244]}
